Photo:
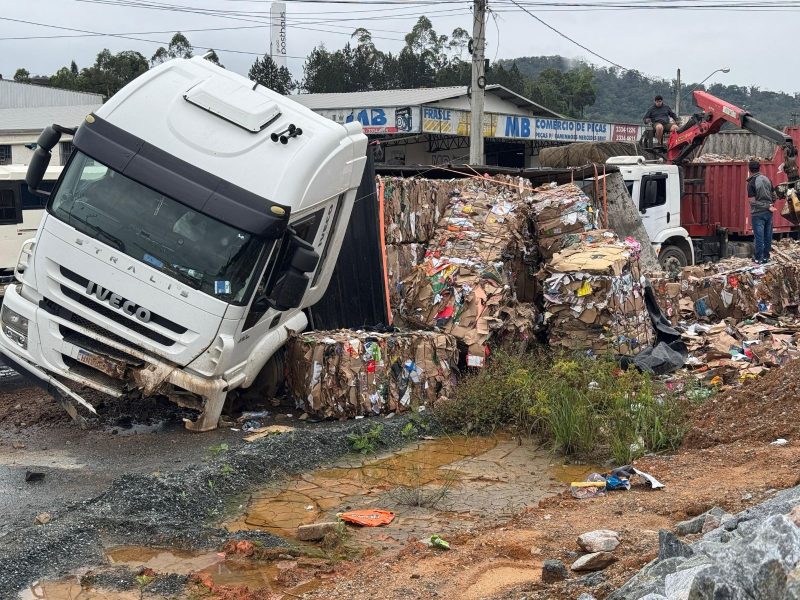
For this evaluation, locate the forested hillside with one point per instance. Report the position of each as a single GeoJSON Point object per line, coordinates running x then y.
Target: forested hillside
{"type": "Point", "coordinates": [625, 96]}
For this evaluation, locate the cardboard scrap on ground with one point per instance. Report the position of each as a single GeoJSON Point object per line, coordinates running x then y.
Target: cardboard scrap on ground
{"type": "Point", "coordinates": [348, 373]}
{"type": "Point", "coordinates": [465, 286]}
{"type": "Point", "coordinates": [737, 319]}
{"type": "Point", "coordinates": [594, 297]}
{"type": "Point", "coordinates": [413, 207]}
{"type": "Point", "coordinates": [262, 432]}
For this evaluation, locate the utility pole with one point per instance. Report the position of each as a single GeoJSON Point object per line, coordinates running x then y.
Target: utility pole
{"type": "Point", "coordinates": [478, 82]}
{"type": "Point", "coordinates": [678, 95]}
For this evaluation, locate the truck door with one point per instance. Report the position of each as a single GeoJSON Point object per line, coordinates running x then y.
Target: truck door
{"type": "Point", "coordinates": [653, 204]}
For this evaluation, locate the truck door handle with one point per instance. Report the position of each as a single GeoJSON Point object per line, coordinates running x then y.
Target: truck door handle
{"type": "Point", "coordinates": [667, 216]}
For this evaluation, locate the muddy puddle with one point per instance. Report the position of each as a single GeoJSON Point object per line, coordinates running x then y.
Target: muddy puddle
{"type": "Point", "coordinates": [443, 486]}
{"type": "Point", "coordinates": [446, 486]}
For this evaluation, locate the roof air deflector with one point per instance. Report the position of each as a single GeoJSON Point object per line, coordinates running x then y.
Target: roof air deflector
{"type": "Point", "coordinates": [234, 102]}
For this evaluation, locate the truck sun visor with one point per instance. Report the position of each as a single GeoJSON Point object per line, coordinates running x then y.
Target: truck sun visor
{"type": "Point", "coordinates": [173, 177]}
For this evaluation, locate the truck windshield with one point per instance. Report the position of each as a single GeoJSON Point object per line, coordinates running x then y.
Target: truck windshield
{"type": "Point", "coordinates": [195, 249]}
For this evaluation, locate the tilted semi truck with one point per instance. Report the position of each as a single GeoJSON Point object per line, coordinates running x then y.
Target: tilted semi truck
{"type": "Point", "coordinates": [196, 218]}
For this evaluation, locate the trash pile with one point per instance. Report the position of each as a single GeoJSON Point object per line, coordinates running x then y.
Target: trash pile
{"type": "Point", "coordinates": [594, 296]}
{"type": "Point", "coordinates": [560, 215]}
{"type": "Point", "coordinates": [348, 373]}
{"type": "Point", "coordinates": [733, 288]}
{"type": "Point", "coordinates": [730, 352]}
{"type": "Point", "coordinates": [466, 284]}
{"type": "Point", "coordinates": [737, 319]}
{"type": "Point", "coordinates": [719, 158]}
{"type": "Point", "coordinates": [598, 484]}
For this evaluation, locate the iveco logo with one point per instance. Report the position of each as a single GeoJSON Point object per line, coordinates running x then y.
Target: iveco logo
{"type": "Point", "coordinates": [118, 302]}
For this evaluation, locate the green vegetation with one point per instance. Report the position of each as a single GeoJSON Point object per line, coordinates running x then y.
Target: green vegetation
{"type": "Point", "coordinates": [365, 442]}
{"type": "Point", "coordinates": [579, 405]}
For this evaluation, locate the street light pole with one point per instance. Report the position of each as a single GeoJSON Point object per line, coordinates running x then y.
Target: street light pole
{"type": "Point", "coordinates": [678, 94]}
{"type": "Point", "coordinates": [721, 70]}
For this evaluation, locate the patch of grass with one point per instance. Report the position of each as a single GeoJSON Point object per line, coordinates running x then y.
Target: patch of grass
{"type": "Point", "coordinates": [218, 449]}
{"type": "Point", "coordinates": [365, 442]}
{"type": "Point", "coordinates": [417, 492]}
{"type": "Point", "coordinates": [582, 406]}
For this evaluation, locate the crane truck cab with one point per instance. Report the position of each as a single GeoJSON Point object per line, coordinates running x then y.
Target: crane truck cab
{"type": "Point", "coordinates": [655, 188]}
{"type": "Point", "coordinates": [197, 217]}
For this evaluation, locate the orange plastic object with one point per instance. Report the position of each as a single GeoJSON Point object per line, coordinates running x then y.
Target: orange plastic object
{"type": "Point", "coordinates": [368, 518]}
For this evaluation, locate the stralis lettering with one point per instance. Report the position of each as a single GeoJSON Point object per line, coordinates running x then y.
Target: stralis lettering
{"type": "Point", "coordinates": [118, 302]}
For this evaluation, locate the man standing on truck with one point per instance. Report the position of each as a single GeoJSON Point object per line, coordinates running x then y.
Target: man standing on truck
{"type": "Point", "coordinates": [659, 115]}
{"type": "Point", "coordinates": [762, 205]}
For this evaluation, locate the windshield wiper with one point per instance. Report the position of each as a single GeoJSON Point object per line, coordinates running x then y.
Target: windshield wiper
{"type": "Point", "coordinates": [100, 233]}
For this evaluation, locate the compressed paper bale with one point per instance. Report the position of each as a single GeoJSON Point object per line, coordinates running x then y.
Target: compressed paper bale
{"type": "Point", "coordinates": [594, 297]}
{"type": "Point", "coordinates": [345, 373]}
{"type": "Point", "coordinates": [412, 207]}
{"type": "Point", "coordinates": [465, 285]}
{"type": "Point", "coordinates": [401, 261]}
{"type": "Point", "coordinates": [559, 214]}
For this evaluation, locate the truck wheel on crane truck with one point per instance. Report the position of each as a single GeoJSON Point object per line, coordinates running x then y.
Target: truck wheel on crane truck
{"type": "Point", "coordinates": [672, 258]}
{"type": "Point", "coordinates": [182, 243]}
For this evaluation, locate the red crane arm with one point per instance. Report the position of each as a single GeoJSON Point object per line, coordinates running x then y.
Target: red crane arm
{"type": "Point", "coordinates": [714, 114]}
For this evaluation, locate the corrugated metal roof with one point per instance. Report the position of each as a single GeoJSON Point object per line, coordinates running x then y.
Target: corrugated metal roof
{"type": "Point", "coordinates": [36, 119]}
{"type": "Point", "coordinates": [26, 95]}
{"type": "Point", "coordinates": [412, 97]}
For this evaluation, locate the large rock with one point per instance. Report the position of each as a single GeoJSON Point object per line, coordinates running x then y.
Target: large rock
{"type": "Point", "coordinates": [696, 524]}
{"type": "Point", "coordinates": [315, 531]}
{"type": "Point", "coordinates": [554, 571]}
{"type": "Point", "coordinates": [669, 545]}
{"type": "Point", "coordinates": [601, 540]}
{"type": "Point", "coordinates": [593, 562]}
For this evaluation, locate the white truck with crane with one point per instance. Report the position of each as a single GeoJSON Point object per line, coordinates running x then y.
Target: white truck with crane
{"type": "Point", "coordinates": [196, 218]}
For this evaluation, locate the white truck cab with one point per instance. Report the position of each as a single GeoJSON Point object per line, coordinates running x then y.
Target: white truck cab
{"type": "Point", "coordinates": [655, 188]}
{"type": "Point", "coordinates": [198, 215]}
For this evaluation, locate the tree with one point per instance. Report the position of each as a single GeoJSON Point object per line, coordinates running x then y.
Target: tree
{"type": "Point", "coordinates": [111, 72]}
{"type": "Point", "coordinates": [65, 78]}
{"type": "Point", "coordinates": [211, 56]}
{"type": "Point", "coordinates": [179, 47]}
{"type": "Point", "coordinates": [22, 76]}
{"type": "Point", "coordinates": [325, 71]}
{"type": "Point", "coordinates": [267, 73]}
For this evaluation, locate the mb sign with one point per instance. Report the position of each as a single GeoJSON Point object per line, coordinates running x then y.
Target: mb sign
{"type": "Point", "coordinates": [517, 127]}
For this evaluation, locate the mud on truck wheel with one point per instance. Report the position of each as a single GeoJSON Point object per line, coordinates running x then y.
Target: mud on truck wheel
{"type": "Point", "coordinates": [672, 258]}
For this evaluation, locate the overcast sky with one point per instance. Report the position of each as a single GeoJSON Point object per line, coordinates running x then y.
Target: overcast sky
{"type": "Point", "coordinates": [656, 39]}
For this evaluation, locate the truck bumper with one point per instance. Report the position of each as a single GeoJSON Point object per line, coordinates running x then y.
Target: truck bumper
{"type": "Point", "coordinates": [42, 358]}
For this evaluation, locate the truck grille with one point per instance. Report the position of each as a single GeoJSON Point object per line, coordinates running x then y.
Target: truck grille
{"type": "Point", "coordinates": [118, 317]}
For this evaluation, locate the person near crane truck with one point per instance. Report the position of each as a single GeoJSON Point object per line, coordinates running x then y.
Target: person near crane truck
{"type": "Point", "coordinates": [762, 207]}
{"type": "Point", "coordinates": [659, 115]}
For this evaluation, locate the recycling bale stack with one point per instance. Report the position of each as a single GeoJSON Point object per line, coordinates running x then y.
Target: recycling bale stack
{"type": "Point", "coordinates": [466, 285]}
{"type": "Point", "coordinates": [411, 209]}
{"type": "Point", "coordinates": [594, 297]}
{"type": "Point", "coordinates": [560, 215]}
{"type": "Point", "coordinates": [344, 373]}
{"type": "Point", "coordinates": [733, 288]}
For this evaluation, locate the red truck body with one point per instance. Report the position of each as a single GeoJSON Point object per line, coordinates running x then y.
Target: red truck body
{"type": "Point", "coordinates": [715, 195]}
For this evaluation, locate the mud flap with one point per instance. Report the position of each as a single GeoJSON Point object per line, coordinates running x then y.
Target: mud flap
{"type": "Point", "coordinates": [66, 398]}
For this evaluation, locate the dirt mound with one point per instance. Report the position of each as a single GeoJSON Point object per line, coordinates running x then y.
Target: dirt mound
{"type": "Point", "coordinates": [761, 410]}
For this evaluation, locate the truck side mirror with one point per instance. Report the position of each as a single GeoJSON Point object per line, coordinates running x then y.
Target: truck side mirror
{"type": "Point", "coordinates": [292, 283]}
{"type": "Point", "coordinates": [48, 139]}
{"type": "Point", "coordinates": [36, 171]}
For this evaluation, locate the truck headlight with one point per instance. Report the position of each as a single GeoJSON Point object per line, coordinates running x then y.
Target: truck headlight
{"type": "Point", "coordinates": [15, 326]}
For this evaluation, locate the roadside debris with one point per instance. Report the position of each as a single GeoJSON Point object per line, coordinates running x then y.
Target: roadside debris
{"type": "Point", "coordinates": [779, 442]}
{"type": "Point", "coordinates": [316, 531]}
{"type": "Point", "coordinates": [33, 476]}
{"type": "Point", "coordinates": [368, 517]}
{"type": "Point", "coordinates": [597, 484]}
{"type": "Point", "coordinates": [43, 518]}
{"type": "Point", "coordinates": [261, 432]}
{"type": "Point", "coordinates": [436, 541]}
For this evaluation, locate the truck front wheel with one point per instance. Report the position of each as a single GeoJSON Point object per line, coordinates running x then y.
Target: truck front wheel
{"type": "Point", "coordinates": [672, 258]}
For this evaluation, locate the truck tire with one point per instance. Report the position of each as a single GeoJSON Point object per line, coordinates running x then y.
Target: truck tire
{"type": "Point", "coordinates": [672, 258]}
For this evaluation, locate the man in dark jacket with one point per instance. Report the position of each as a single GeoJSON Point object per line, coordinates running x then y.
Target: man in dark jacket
{"type": "Point", "coordinates": [762, 205]}
{"type": "Point", "coordinates": [659, 115]}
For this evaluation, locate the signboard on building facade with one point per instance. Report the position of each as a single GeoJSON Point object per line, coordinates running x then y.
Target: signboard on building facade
{"type": "Point", "coordinates": [621, 132]}
{"type": "Point", "coordinates": [377, 119]}
{"type": "Point", "coordinates": [564, 130]}
{"type": "Point", "coordinates": [449, 121]}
